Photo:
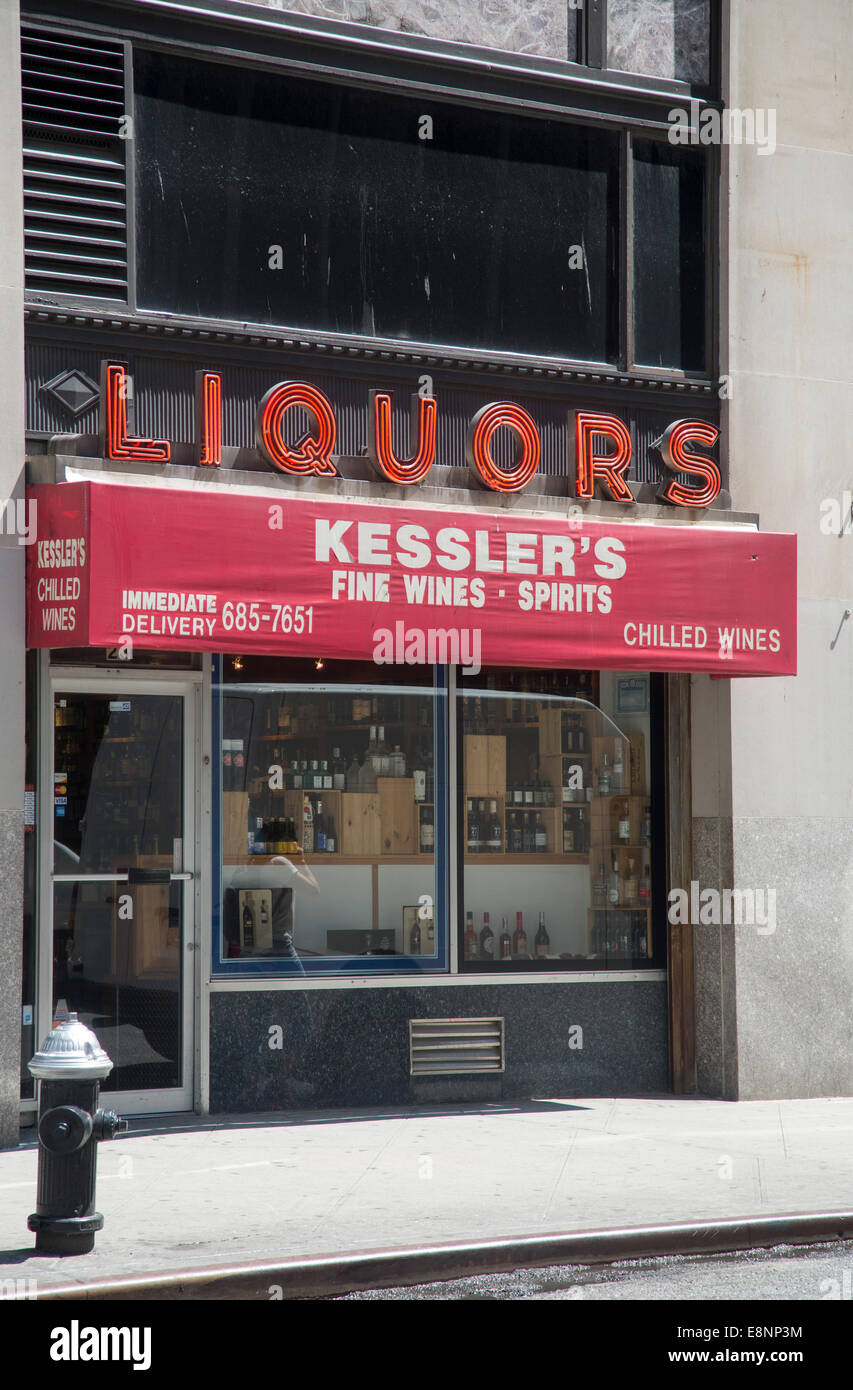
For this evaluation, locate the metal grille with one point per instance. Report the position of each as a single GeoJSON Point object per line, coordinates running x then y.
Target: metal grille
{"type": "Point", "coordinates": [455, 1046]}
{"type": "Point", "coordinates": [75, 182]}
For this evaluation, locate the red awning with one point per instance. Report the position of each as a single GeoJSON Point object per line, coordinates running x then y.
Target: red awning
{"type": "Point", "coordinates": [224, 570]}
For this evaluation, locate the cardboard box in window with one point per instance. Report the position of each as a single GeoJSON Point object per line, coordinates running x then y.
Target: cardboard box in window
{"type": "Point", "coordinates": [361, 827]}
{"type": "Point", "coordinates": [485, 765]}
{"type": "Point", "coordinates": [638, 764]}
{"type": "Point", "coordinates": [235, 826]}
{"type": "Point", "coordinates": [397, 815]}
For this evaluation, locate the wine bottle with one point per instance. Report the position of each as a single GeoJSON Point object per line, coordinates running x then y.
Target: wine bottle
{"type": "Point", "coordinates": [473, 828]}
{"type": "Point", "coordinates": [494, 835]}
{"type": "Point", "coordinates": [519, 940]}
{"type": "Point", "coordinates": [613, 884]}
{"type": "Point", "coordinates": [248, 929]}
{"type": "Point", "coordinates": [339, 772]}
{"type": "Point", "coordinates": [308, 826]}
{"type": "Point", "coordinates": [542, 944]}
{"type": "Point", "coordinates": [528, 842]}
{"type": "Point", "coordinates": [624, 824]}
{"type": "Point", "coordinates": [427, 831]}
{"type": "Point", "coordinates": [631, 885]}
{"type": "Point", "coordinates": [470, 941]}
{"type": "Point", "coordinates": [506, 941]}
{"type": "Point", "coordinates": [331, 836]}
{"type": "Point", "coordinates": [487, 940]}
{"type": "Point", "coordinates": [540, 838]}
{"type": "Point", "coordinates": [320, 829]}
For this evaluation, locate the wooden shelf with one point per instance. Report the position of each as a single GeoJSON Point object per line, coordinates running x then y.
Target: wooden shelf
{"type": "Point", "coordinates": [529, 858]}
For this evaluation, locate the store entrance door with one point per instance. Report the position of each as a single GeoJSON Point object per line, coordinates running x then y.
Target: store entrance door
{"type": "Point", "coordinates": [119, 875]}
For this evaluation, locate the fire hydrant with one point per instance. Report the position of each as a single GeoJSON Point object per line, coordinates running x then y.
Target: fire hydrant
{"type": "Point", "coordinates": [70, 1064]}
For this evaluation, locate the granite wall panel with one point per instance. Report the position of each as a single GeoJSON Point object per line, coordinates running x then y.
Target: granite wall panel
{"type": "Point", "coordinates": [350, 1047]}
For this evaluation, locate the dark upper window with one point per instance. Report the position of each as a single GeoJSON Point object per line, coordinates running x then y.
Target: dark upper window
{"type": "Point", "coordinates": [271, 199]}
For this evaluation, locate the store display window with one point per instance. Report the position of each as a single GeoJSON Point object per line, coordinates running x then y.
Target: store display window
{"type": "Point", "coordinates": [558, 778]}
{"type": "Point", "coordinates": [332, 842]}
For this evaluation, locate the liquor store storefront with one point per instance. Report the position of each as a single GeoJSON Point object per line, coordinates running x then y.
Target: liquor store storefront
{"type": "Point", "coordinates": [349, 801]}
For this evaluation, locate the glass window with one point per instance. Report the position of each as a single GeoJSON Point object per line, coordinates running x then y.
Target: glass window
{"type": "Point", "coordinates": [557, 837]}
{"type": "Point", "coordinates": [669, 256]}
{"type": "Point", "coordinates": [660, 38]}
{"type": "Point", "coordinates": [282, 200]}
{"type": "Point", "coordinates": [332, 818]}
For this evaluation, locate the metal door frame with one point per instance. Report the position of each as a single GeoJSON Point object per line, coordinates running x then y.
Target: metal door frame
{"type": "Point", "coordinates": [106, 682]}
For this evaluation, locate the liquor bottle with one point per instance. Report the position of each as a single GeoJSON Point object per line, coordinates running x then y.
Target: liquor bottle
{"type": "Point", "coordinates": [528, 840]}
{"type": "Point", "coordinates": [542, 943]}
{"type": "Point", "coordinates": [419, 778]}
{"type": "Point", "coordinates": [519, 940]}
{"type": "Point", "coordinates": [487, 940]}
{"type": "Point", "coordinates": [494, 834]}
{"type": "Point", "coordinates": [618, 767]}
{"type": "Point", "coordinates": [646, 887]}
{"type": "Point", "coordinates": [630, 887]}
{"type": "Point", "coordinates": [415, 939]}
{"type": "Point", "coordinates": [528, 792]}
{"type": "Point", "coordinates": [506, 941]}
{"type": "Point", "coordinates": [604, 782]}
{"type": "Point", "coordinates": [320, 829]}
{"type": "Point", "coordinates": [538, 790]}
{"type": "Point", "coordinates": [473, 832]}
{"type": "Point", "coordinates": [260, 841]}
{"type": "Point", "coordinates": [352, 774]}
{"type": "Point", "coordinates": [339, 773]}
{"type": "Point", "coordinates": [384, 768]}
{"type": "Point", "coordinates": [568, 832]}
{"type": "Point", "coordinates": [248, 929]}
{"type": "Point", "coordinates": [540, 838]}
{"type": "Point", "coordinates": [316, 776]}
{"type": "Point", "coordinates": [397, 762]}
{"type": "Point", "coordinates": [517, 794]}
{"type": "Point", "coordinates": [515, 834]}
{"type": "Point", "coordinates": [427, 834]}
{"type": "Point", "coordinates": [331, 836]}
{"type": "Point", "coordinates": [613, 884]}
{"type": "Point", "coordinates": [470, 941]}
{"type": "Point", "coordinates": [308, 826]}
{"type": "Point", "coordinates": [599, 886]}
{"type": "Point", "coordinates": [624, 824]}
{"type": "Point", "coordinates": [326, 776]}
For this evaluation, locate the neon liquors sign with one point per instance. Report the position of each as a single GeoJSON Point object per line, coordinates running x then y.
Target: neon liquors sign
{"type": "Point", "coordinates": [314, 452]}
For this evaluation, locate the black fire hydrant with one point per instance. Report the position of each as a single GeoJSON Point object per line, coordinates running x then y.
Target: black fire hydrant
{"type": "Point", "coordinates": [70, 1064]}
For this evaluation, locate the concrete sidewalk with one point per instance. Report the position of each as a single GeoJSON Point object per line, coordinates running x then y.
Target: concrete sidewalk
{"type": "Point", "coordinates": [186, 1192]}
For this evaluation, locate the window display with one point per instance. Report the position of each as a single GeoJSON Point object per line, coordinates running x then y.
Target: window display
{"type": "Point", "coordinates": [557, 852]}
{"type": "Point", "coordinates": [328, 783]}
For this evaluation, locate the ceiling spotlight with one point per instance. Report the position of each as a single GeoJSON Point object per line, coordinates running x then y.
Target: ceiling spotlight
{"type": "Point", "coordinates": [319, 664]}
{"type": "Point", "coordinates": [237, 663]}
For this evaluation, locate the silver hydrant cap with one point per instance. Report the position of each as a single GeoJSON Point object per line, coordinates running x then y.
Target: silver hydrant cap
{"type": "Point", "coordinates": [70, 1051]}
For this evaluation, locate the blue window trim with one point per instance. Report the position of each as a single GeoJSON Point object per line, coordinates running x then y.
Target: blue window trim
{"type": "Point", "coordinates": [319, 968]}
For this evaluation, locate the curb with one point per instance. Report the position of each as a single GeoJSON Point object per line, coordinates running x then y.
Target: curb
{"type": "Point", "coordinates": [323, 1276]}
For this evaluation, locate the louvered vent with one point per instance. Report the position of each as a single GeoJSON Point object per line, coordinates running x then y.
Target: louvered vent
{"type": "Point", "coordinates": [455, 1046]}
{"type": "Point", "coordinates": [75, 184]}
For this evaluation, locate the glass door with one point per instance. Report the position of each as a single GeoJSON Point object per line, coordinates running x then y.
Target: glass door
{"type": "Point", "coordinates": [121, 876]}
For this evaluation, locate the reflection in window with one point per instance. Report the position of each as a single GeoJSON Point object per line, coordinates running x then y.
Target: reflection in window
{"type": "Point", "coordinates": [557, 836]}
{"type": "Point", "coordinates": [669, 256]}
{"type": "Point", "coordinates": [328, 813]}
{"type": "Point", "coordinates": [660, 38]}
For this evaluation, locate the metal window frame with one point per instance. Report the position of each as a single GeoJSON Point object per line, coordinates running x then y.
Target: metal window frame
{"type": "Point", "coordinates": [401, 64]}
